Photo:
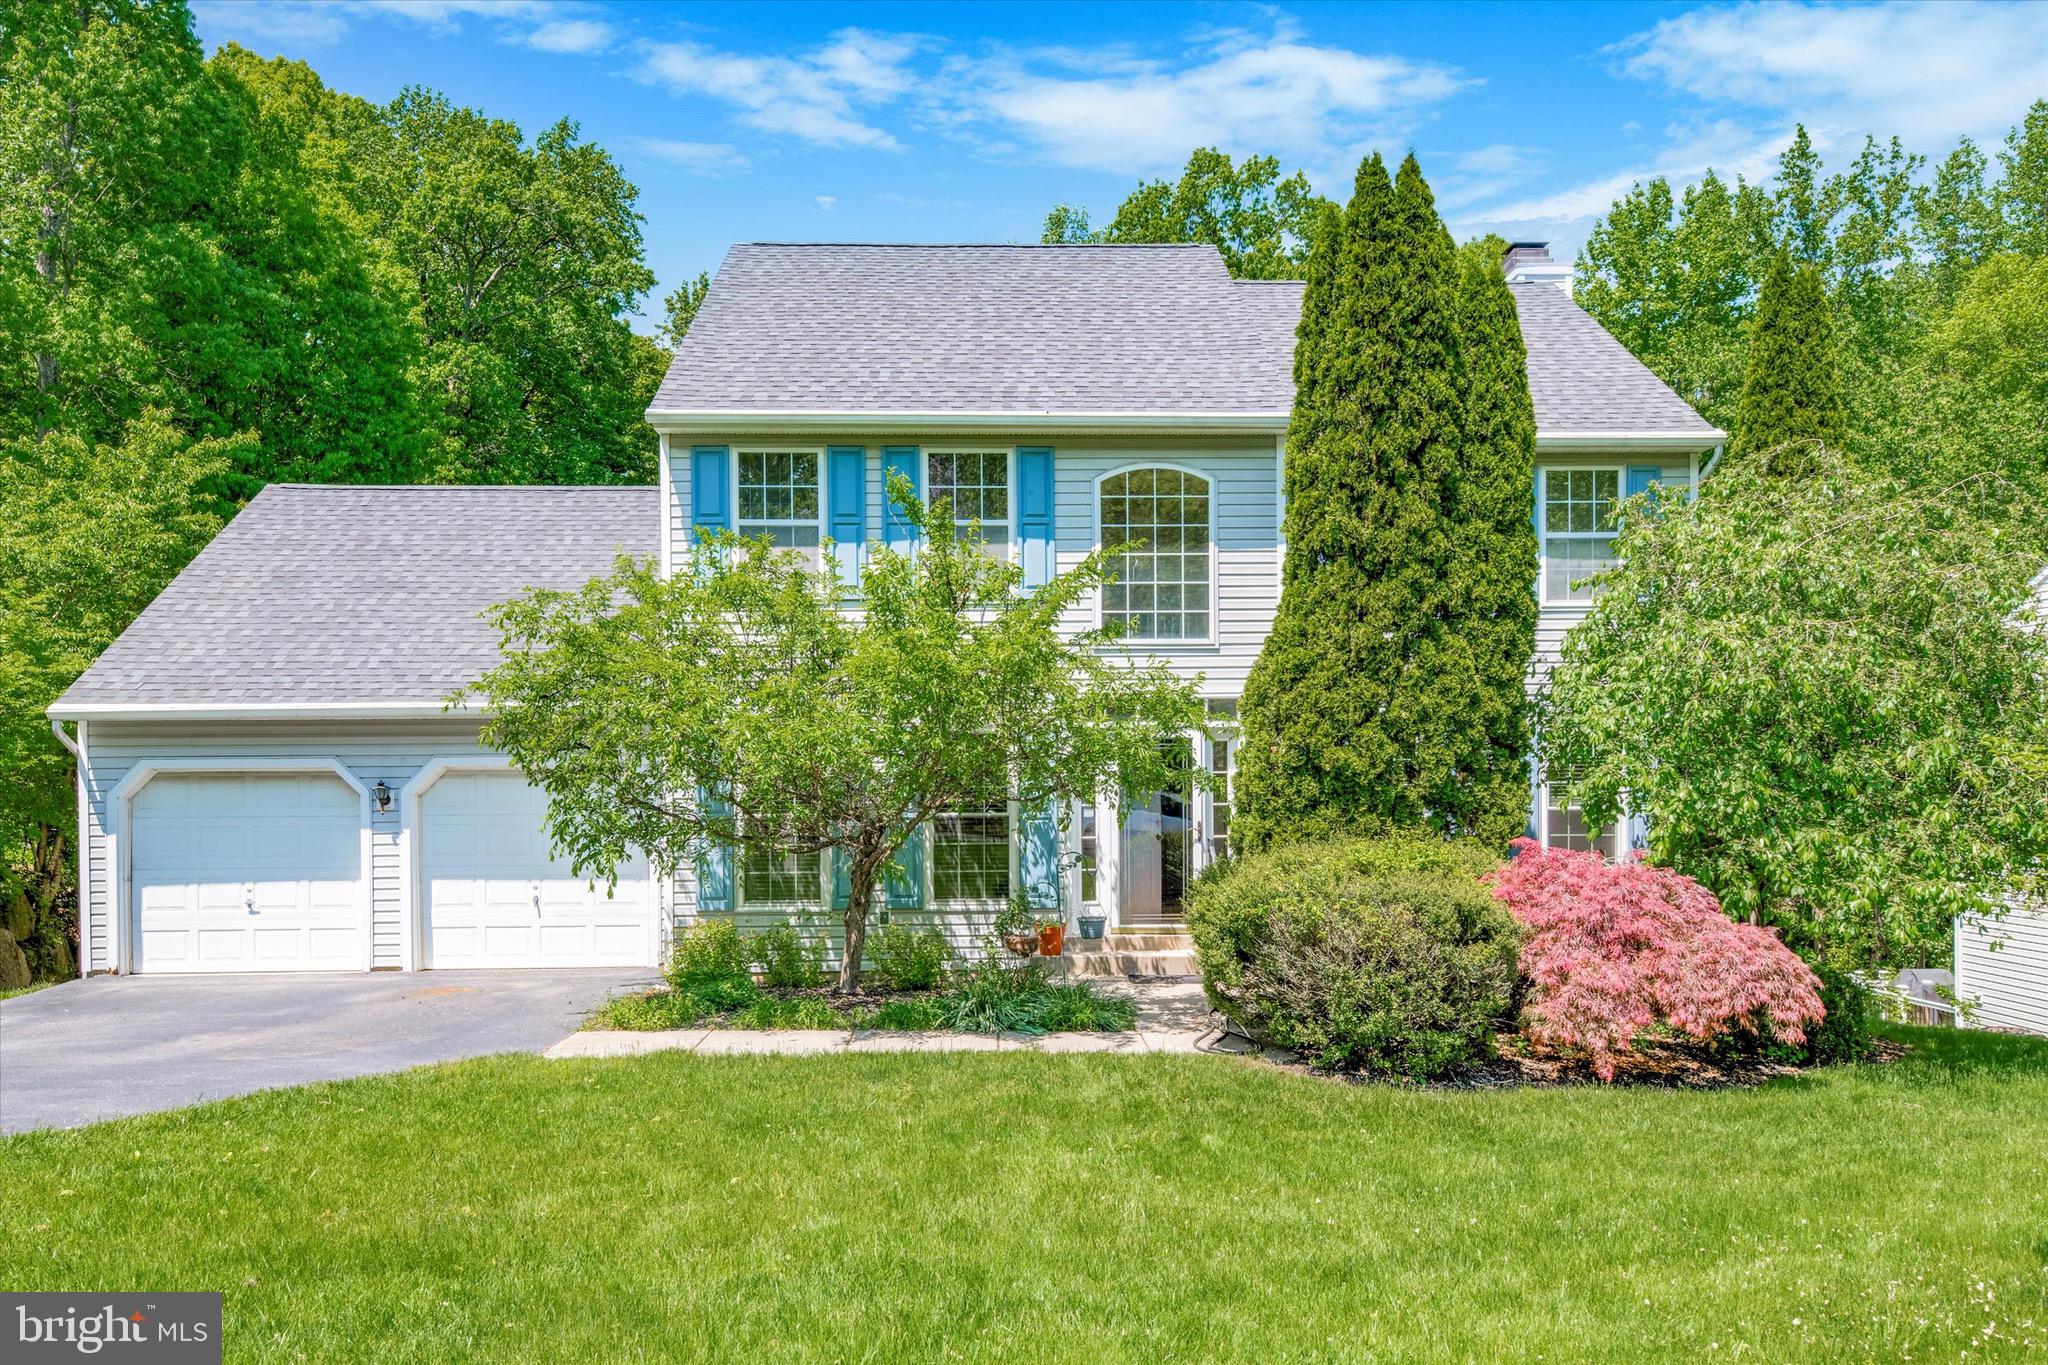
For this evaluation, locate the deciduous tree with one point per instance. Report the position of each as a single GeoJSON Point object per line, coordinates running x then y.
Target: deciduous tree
{"type": "Point", "coordinates": [735, 704]}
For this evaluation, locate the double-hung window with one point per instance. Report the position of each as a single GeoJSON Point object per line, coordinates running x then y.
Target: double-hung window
{"type": "Point", "coordinates": [779, 498]}
{"type": "Point", "coordinates": [971, 855]}
{"type": "Point", "coordinates": [1564, 826]}
{"type": "Point", "coordinates": [771, 877]}
{"type": "Point", "coordinates": [1578, 530]}
{"type": "Point", "coordinates": [976, 485]}
{"type": "Point", "coordinates": [1163, 582]}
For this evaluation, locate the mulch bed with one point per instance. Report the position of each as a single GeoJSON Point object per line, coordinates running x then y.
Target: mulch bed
{"type": "Point", "coordinates": [1655, 1063]}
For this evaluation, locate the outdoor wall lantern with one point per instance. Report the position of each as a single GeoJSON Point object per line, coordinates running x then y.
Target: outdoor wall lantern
{"type": "Point", "coordinates": [383, 795]}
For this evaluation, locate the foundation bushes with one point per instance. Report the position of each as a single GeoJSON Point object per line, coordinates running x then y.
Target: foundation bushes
{"type": "Point", "coordinates": [1384, 955]}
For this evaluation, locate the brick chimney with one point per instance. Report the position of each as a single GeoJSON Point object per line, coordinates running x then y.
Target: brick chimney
{"type": "Point", "coordinates": [1530, 263]}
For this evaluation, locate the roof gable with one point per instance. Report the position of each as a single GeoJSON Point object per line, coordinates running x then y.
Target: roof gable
{"type": "Point", "coordinates": [937, 331]}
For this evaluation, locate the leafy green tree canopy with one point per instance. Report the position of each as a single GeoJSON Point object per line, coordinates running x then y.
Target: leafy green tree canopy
{"type": "Point", "coordinates": [93, 531]}
{"type": "Point", "coordinates": [817, 729]}
{"type": "Point", "coordinates": [1261, 223]}
{"type": "Point", "coordinates": [1791, 393]}
{"type": "Point", "coordinates": [1817, 691]}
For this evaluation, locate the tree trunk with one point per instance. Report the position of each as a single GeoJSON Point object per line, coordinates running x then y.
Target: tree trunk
{"type": "Point", "coordinates": [860, 891]}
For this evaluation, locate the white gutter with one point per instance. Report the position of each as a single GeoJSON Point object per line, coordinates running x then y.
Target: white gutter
{"type": "Point", "coordinates": [729, 422]}
{"type": "Point", "coordinates": [235, 710]}
{"type": "Point", "coordinates": [57, 729]}
{"type": "Point", "coordinates": [1628, 440]}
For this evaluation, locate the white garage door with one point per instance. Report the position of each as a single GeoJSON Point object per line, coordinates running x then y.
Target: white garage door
{"type": "Point", "coordinates": [496, 898]}
{"type": "Point", "coordinates": [247, 872]}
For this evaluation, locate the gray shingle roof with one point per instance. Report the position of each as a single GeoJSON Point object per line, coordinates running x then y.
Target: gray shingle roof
{"type": "Point", "coordinates": [1582, 379]}
{"type": "Point", "coordinates": [352, 594]}
{"type": "Point", "coordinates": [1045, 329]}
{"type": "Point", "coordinates": [1067, 330]}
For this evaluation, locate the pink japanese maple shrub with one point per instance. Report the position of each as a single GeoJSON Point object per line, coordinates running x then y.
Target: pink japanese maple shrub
{"type": "Point", "coordinates": [1613, 949]}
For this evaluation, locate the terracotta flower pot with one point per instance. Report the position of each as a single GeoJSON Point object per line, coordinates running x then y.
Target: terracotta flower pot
{"type": "Point", "coordinates": [1052, 939]}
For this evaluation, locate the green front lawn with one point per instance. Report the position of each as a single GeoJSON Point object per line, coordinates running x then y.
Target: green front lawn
{"type": "Point", "coordinates": [1024, 1206]}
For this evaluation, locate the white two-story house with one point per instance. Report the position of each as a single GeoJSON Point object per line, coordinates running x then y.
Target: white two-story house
{"type": "Point", "coordinates": [269, 780]}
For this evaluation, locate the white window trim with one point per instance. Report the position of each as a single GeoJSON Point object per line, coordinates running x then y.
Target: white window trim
{"type": "Point", "coordinates": [824, 519]}
{"type": "Point", "coordinates": [1013, 543]}
{"type": "Point", "coordinates": [930, 834]}
{"type": "Point", "coordinates": [792, 908]}
{"type": "Point", "coordinates": [1543, 805]}
{"type": "Point", "coordinates": [1543, 536]}
{"type": "Point", "coordinates": [1160, 645]}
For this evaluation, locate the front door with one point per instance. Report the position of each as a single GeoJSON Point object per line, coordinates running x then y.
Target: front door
{"type": "Point", "coordinates": [1157, 857]}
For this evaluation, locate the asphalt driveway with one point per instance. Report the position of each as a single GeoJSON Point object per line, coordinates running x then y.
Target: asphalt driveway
{"type": "Point", "coordinates": [116, 1045]}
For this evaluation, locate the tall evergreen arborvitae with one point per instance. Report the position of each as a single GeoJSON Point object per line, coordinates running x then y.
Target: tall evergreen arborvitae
{"type": "Point", "coordinates": [1374, 703]}
{"type": "Point", "coordinates": [1791, 390]}
{"type": "Point", "coordinates": [1492, 506]}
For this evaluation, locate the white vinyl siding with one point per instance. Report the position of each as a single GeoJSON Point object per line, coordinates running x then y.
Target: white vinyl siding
{"type": "Point", "coordinates": [1244, 500]}
{"type": "Point", "coordinates": [2002, 966]}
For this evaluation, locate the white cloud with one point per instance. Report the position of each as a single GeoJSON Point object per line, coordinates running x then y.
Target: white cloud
{"type": "Point", "coordinates": [288, 25]}
{"type": "Point", "coordinates": [576, 36]}
{"type": "Point", "coordinates": [1565, 216]}
{"type": "Point", "coordinates": [547, 25]}
{"type": "Point", "coordinates": [1928, 72]}
{"type": "Point", "coordinates": [827, 201]}
{"type": "Point", "coordinates": [814, 97]}
{"type": "Point", "coordinates": [698, 158]}
{"type": "Point", "coordinates": [1270, 95]}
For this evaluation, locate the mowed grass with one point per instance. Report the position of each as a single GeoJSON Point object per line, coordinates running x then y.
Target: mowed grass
{"type": "Point", "coordinates": [1039, 1207]}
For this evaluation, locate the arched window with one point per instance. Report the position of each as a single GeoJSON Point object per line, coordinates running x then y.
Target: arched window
{"type": "Point", "coordinates": [1163, 589]}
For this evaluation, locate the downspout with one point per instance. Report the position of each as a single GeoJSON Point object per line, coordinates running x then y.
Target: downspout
{"type": "Point", "coordinates": [77, 748]}
{"type": "Point", "coordinates": [1712, 460]}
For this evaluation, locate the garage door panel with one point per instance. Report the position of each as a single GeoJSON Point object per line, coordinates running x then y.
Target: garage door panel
{"type": "Point", "coordinates": [247, 872]}
{"type": "Point", "coordinates": [497, 897]}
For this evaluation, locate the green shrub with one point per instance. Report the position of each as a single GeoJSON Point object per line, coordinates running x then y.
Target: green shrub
{"type": "Point", "coordinates": [14, 973]}
{"type": "Point", "coordinates": [787, 961]}
{"type": "Point", "coordinates": [713, 963]}
{"type": "Point", "coordinates": [650, 1012]}
{"type": "Point", "coordinates": [1844, 1035]}
{"type": "Point", "coordinates": [1384, 955]}
{"type": "Point", "coordinates": [910, 959]}
{"type": "Point", "coordinates": [919, 1016]}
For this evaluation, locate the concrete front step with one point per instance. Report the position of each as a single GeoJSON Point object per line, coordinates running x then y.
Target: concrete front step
{"type": "Point", "coordinates": [1104, 964]}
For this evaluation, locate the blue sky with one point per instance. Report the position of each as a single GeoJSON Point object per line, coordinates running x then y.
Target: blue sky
{"type": "Point", "coordinates": [965, 122]}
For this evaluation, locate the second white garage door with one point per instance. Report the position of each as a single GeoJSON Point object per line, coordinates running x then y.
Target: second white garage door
{"type": "Point", "coordinates": [496, 898]}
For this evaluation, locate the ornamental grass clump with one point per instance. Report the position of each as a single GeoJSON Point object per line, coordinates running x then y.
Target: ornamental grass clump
{"type": "Point", "coordinates": [1615, 950]}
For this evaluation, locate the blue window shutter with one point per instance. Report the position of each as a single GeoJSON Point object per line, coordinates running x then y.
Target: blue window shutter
{"type": "Point", "coordinates": [842, 877]}
{"type": "Point", "coordinates": [1034, 513]}
{"type": "Point", "coordinates": [905, 880]}
{"type": "Point", "coordinates": [714, 865]}
{"type": "Point", "coordinates": [846, 507]}
{"type": "Point", "coordinates": [1539, 541]}
{"type": "Point", "coordinates": [1038, 855]}
{"type": "Point", "coordinates": [899, 460]}
{"type": "Point", "coordinates": [711, 488]}
{"type": "Point", "coordinates": [1639, 478]}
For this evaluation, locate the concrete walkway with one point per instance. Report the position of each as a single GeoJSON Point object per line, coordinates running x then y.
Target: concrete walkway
{"type": "Point", "coordinates": [1172, 1017]}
